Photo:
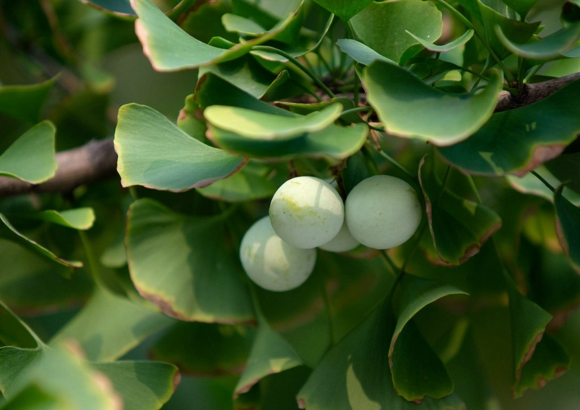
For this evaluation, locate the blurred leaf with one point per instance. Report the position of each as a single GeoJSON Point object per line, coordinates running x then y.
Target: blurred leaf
{"type": "Point", "coordinates": [267, 127]}
{"type": "Point", "coordinates": [80, 218]}
{"type": "Point", "coordinates": [175, 262]}
{"type": "Point", "coordinates": [25, 102]}
{"type": "Point", "coordinates": [549, 47]}
{"type": "Point", "coordinates": [333, 142]}
{"type": "Point", "coordinates": [169, 48]}
{"type": "Point", "coordinates": [255, 181]}
{"type": "Point", "coordinates": [419, 17]}
{"type": "Point", "coordinates": [31, 158]}
{"type": "Point", "coordinates": [459, 227]}
{"type": "Point", "coordinates": [361, 53]}
{"type": "Point", "coordinates": [566, 167]}
{"type": "Point", "coordinates": [345, 9]}
{"type": "Point", "coordinates": [530, 184]}
{"type": "Point", "coordinates": [205, 21]}
{"type": "Point", "coordinates": [103, 339]}
{"type": "Point", "coordinates": [191, 121]}
{"type": "Point", "coordinates": [533, 139]}
{"type": "Point", "coordinates": [155, 153]}
{"type": "Point", "coordinates": [32, 283]}
{"type": "Point", "coordinates": [118, 8]}
{"type": "Point", "coordinates": [142, 385]}
{"type": "Point", "coordinates": [416, 370]}
{"type": "Point", "coordinates": [521, 6]}
{"type": "Point", "coordinates": [270, 354]}
{"type": "Point", "coordinates": [205, 349]}
{"type": "Point", "coordinates": [398, 96]}
{"type": "Point", "coordinates": [7, 231]}
{"type": "Point", "coordinates": [355, 373]}
{"type": "Point", "coordinates": [458, 42]}
{"type": "Point", "coordinates": [568, 227]}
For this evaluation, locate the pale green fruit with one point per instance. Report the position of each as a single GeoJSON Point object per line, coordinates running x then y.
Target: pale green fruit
{"type": "Point", "coordinates": [306, 212]}
{"type": "Point", "coordinates": [342, 242]}
{"type": "Point", "coordinates": [382, 212]}
{"type": "Point", "coordinates": [272, 263]}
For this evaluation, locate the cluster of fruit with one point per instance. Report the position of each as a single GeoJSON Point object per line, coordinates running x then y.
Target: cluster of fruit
{"type": "Point", "coordinates": [278, 251]}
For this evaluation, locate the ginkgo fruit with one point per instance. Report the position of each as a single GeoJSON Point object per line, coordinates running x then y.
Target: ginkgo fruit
{"type": "Point", "coordinates": [342, 242]}
{"type": "Point", "coordinates": [382, 212]}
{"type": "Point", "coordinates": [306, 212]}
{"type": "Point", "coordinates": [272, 263]}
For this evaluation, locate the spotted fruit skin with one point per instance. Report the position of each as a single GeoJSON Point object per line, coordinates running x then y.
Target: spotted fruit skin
{"type": "Point", "coordinates": [306, 212]}
{"type": "Point", "coordinates": [272, 263]}
{"type": "Point", "coordinates": [382, 212]}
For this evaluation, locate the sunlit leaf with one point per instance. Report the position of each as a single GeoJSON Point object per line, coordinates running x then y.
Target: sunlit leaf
{"type": "Point", "coordinates": [549, 47]}
{"type": "Point", "coordinates": [242, 25]}
{"type": "Point", "coordinates": [416, 370]}
{"type": "Point", "coordinates": [205, 349]}
{"type": "Point", "coordinates": [267, 127]}
{"type": "Point", "coordinates": [79, 218]}
{"type": "Point", "coordinates": [155, 153]}
{"type": "Point", "coordinates": [102, 339]}
{"type": "Point", "coordinates": [31, 157]}
{"type": "Point", "coordinates": [160, 38]}
{"type": "Point", "coordinates": [533, 139]}
{"type": "Point", "coordinates": [175, 262]}
{"type": "Point", "coordinates": [458, 42]}
{"type": "Point", "coordinates": [568, 227]}
{"type": "Point", "coordinates": [345, 9]}
{"type": "Point", "coordinates": [410, 108]}
{"type": "Point", "coordinates": [419, 17]}
{"type": "Point", "coordinates": [459, 227]}
{"type": "Point", "coordinates": [360, 52]}
{"type": "Point", "coordinates": [25, 102]}
{"type": "Point", "coordinates": [7, 231]}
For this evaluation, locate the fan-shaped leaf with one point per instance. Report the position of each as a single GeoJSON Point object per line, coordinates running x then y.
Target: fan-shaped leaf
{"type": "Point", "coordinates": [345, 9]}
{"type": "Point", "coordinates": [25, 101]}
{"type": "Point", "coordinates": [175, 261]}
{"type": "Point", "coordinates": [551, 46]}
{"type": "Point", "coordinates": [31, 157]}
{"type": "Point", "coordinates": [410, 108]}
{"type": "Point", "coordinates": [360, 52]}
{"type": "Point", "coordinates": [458, 42]}
{"type": "Point", "coordinates": [80, 218]}
{"type": "Point", "coordinates": [517, 141]}
{"type": "Point", "coordinates": [568, 227]}
{"type": "Point", "coordinates": [459, 227]}
{"type": "Point", "coordinates": [155, 153]}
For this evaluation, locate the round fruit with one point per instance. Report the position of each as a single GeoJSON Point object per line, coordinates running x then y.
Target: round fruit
{"type": "Point", "coordinates": [306, 212]}
{"type": "Point", "coordinates": [342, 242]}
{"type": "Point", "coordinates": [272, 263]}
{"type": "Point", "coordinates": [382, 212]}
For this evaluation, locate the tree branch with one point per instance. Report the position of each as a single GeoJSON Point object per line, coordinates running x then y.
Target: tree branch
{"type": "Point", "coordinates": [97, 160]}
{"type": "Point", "coordinates": [94, 161]}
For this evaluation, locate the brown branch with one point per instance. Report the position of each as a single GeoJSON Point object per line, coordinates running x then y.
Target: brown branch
{"type": "Point", "coordinates": [94, 161]}
{"type": "Point", "coordinates": [532, 93]}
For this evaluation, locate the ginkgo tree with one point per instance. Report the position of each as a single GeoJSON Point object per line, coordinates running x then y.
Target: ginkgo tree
{"type": "Point", "coordinates": [121, 223]}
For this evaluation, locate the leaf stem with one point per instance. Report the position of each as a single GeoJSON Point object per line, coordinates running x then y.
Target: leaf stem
{"type": "Point", "coordinates": [356, 79]}
{"type": "Point", "coordinates": [390, 262]}
{"type": "Point", "coordinates": [297, 63]}
{"type": "Point", "coordinates": [91, 259]}
{"type": "Point", "coordinates": [357, 109]}
{"type": "Point", "coordinates": [328, 313]}
{"type": "Point", "coordinates": [395, 163]}
{"type": "Point", "coordinates": [550, 187]}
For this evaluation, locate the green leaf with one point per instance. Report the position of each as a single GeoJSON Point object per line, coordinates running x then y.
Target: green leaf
{"type": "Point", "coordinates": [25, 102]}
{"type": "Point", "coordinates": [155, 153]}
{"type": "Point", "coordinates": [566, 167]}
{"type": "Point", "coordinates": [398, 96]}
{"type": "Point", "coordinates": [521, 6]}
{"type": "Point", "coordinates": [416, 370]}
{"type": "Point", "coordinates": [31, 158]}
{"type": "Point", "coordinates": [242, 25]}
{"type": "Point", "coordinates": [141, 385]}
{"type": "Point", "coordinates": [103, 339]}
{"type": "Point", "coordinates": [530, 184]}
{"type": "Point", "coordinates": [549, 47]}
{"type": "Point", "coordinates": [7, 231]}
{"type": "Point", "coordinates": [175, 262]}
{"type": "Point", "coordinates": [345, 9]}
{"type": "Point", "coordinates": [459, 227]}
{"type": "Point", "coordinates": [533, 139]}
{"type": "Point", "coordinates": [360, 52]}
{"type": "Point", "coordinates": [458, 42]}
{"type": "Point", "coordinates": [419, 17]}
{"type": "Point", "coordinates": [118, 8]}
{"type": "Point", "coordinates": [355, 374]}
{"type": "Point", "coordinates": [528, 322]}
{"type": "Point", "coordinates": [549, 361]}
{"type": "Point", "coordinates": [333, 142]}
{"type": "Point", "coordinates": [169, 48]}
{"type": "Point", "coordinates": [270, 354]}
{"type": "Point", "coordinates": [205, 349]}
{"type": "Point", "coordinates": [80, 218]}
{"type": "Point", "coordinates": [568, 227]}
{"type": "Point", "coordinates": [255, 181]}
{"type": "Point", "coordinates": [34, 284]}
{"type": "Point", "coordinates": [269, 127]}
